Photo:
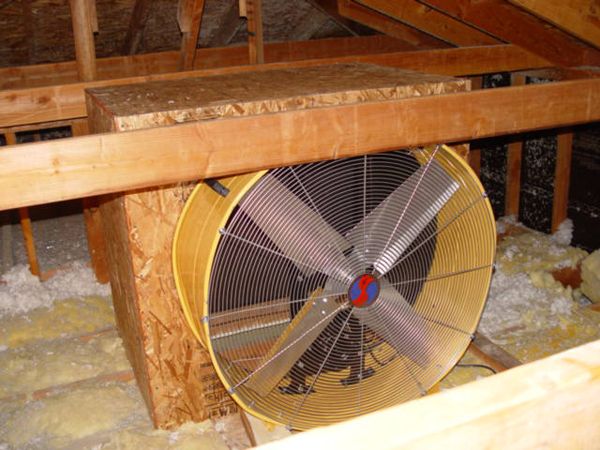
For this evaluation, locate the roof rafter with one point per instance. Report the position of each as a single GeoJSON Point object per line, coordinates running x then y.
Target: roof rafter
{"type": "Point", "coordinates": [431, 21]}
{"type": "Point", "coordinates": [513, 25]}
{"type": "Point", "coordinates": [385, 24]}
{"type": "Point", "coordinates": [581, 18]}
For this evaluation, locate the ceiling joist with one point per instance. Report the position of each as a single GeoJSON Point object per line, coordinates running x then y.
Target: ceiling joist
{"type": "Point", "coordinates": [417, 15]}
{"type": "Point", "coordinates": [99, 164]}
{"type": "Point", "coordinates": [67, 101]}
{"type": "Point", "coordinates": [513, 25]}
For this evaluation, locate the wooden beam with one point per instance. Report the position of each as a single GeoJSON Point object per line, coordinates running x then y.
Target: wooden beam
{"type": "Point", "coordinates": [255, 31]}
{"type": "Point", "coordinates": [46, 104]}
{"type": "Point", "coordinates": [550, 403]}
{"type": "Point", "coordinates": [431, 21]}
{"type": "Point", "coordinates": [581, 18]}
{"type": "Point", "coordinates": [475, 152]}
{"type": "Point", "coordinates": [85, 50]}
{"type": "Point", "coordinates": [210, 58]}
{"type": "Point", "coordinates": [190, 18]}
{"type": "Point", "coordinates": [562, 179]}
{"type": "Point", "coordinates": [387, 25]}
{"type": "Point", "coordinates": [513, 166]}
{"type": "Point", "coordinates": [513, 25]}
{"type": "Point", "coordinates": [99, 164]}
{"type": "Point", "coordinates": [26, 227]}
{"type": "Point", "coordinates": [491, 354]}
{"type": "Point", "coordinates": [137, 23]}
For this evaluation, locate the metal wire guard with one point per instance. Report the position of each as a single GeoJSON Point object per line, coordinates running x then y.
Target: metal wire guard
{"type": "Point", "coordinates": [264, 276]}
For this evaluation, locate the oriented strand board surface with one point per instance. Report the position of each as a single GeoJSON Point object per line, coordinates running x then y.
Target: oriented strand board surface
{"type": "Point", "coordinates": [169, 102]}
{"type": "Point", "coordinates": [174, 372]}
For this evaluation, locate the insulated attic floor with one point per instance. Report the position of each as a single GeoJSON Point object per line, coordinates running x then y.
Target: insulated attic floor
{"type": "Point", "coordinates": [65, 381]}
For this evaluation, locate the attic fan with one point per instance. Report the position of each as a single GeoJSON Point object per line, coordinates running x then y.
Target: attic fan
{"type": "Point", "coordinates": [329, 290]}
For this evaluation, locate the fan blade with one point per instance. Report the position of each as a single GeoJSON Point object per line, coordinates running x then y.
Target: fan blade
{"type": "Point", "coordinates": [394, 320]}
{"type": "Point", "coordinates": [382, 236]}
{"type": "Point", "coordinates": [298, 231]}
{"type": "Point", "coordinates": [311, 320]}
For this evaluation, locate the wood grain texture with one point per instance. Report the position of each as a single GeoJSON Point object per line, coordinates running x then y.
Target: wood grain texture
{"type": "Point", "coordinates": [581, 18]}
{"type": "Point", "coordinates": [78, 167]}
{"type": "Point", "coordinates": [513, 25]}
{"type": "Point", "coordinates": [431, 21]}
{"type": "Point", "coordinates": [256, 49]}
{"type": "Point", "coordinates": [85, 50]}
{"type": "Point", "coordinates": [190, 19]}
{"type": "Point", "coordinates": [551, 403]}
{"type": "Point", "coordinates": [385, 24]}
{"type": "Point", "coordinates": [63, 102]}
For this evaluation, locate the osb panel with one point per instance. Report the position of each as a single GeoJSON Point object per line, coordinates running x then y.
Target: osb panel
{"type": "Point", "coordinates": [184, 385]}
{"type": "Point", "coordinates": [169, 102]}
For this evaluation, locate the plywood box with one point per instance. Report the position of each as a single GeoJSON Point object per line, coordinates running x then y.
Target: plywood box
{"type": "Point", "coordinates": [172, 369]}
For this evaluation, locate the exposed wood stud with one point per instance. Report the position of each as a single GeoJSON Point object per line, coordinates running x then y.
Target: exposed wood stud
{"type": "Point", "coordinates": [190, 18]}
{"type": "Point", "coordinates": [187, 151]}
{"type": "Point", "coordinates": [85, 50]}
{"type": "Point", "coordinates": [93, 221]}
{"type": "Point", "coordinates": [93, 15]}
{"type": "Point", "coordinates": [26, 228]}
{"type": "Point", "coordinates": [513, 166]}
{"type": "Point", "coordinates": [581, 18]}
{"type": "Point", "coordinates": [562, 179]}
{"type": "Point", "coordinates": [387, 25]}
{"type": "Point", "coordinates": [137, 24]}
{"type": "Point", "coordinates": [475, 152]}
{"type": "Point", "coordinates": [512, 24]}
{"type": "Point", "coordinates": [431, 21]}
{"type": "Point", "coordinates": [255, 31]}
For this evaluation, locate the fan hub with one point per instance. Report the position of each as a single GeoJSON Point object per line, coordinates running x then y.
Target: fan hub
{"type": "Point", "coordinates": [364, 290]}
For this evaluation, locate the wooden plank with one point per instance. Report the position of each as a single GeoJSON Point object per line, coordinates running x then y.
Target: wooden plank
{"type": "Point", "coordinates": [491, 354]}
{"type": "Point", "coordinates": [45, 104]}
{"type": "Point", "coordinates": [562, 179]}
{"type": "Point", "coordinates": [581, 18]}
{"type": "Point", "coordinates": [190, 18]}
{"type": "Point", "coordinates": [85, 50]}
{"type": "Point", "coordinates": [551, 403]}
{"type": "Point", "coordinates": [431, 21]}
{"type": "Point", "coordinates": [91, 165]}
{"type": "Point", "coordinates": [513, 166]}
{"type": "Point", "coordinates": [513, 25]}
{"type": "Point", "coordinates": [206, 58]}
{"type": "Point", "coordinates": [135, 30]}
{"type": "Point", "coordinates": [256, 51]}
{"type": "Point", "coordinates": [387, 25]}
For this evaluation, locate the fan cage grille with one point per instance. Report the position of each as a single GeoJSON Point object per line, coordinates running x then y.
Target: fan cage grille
{"type": "Point", "coordinates": [241, 292]}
